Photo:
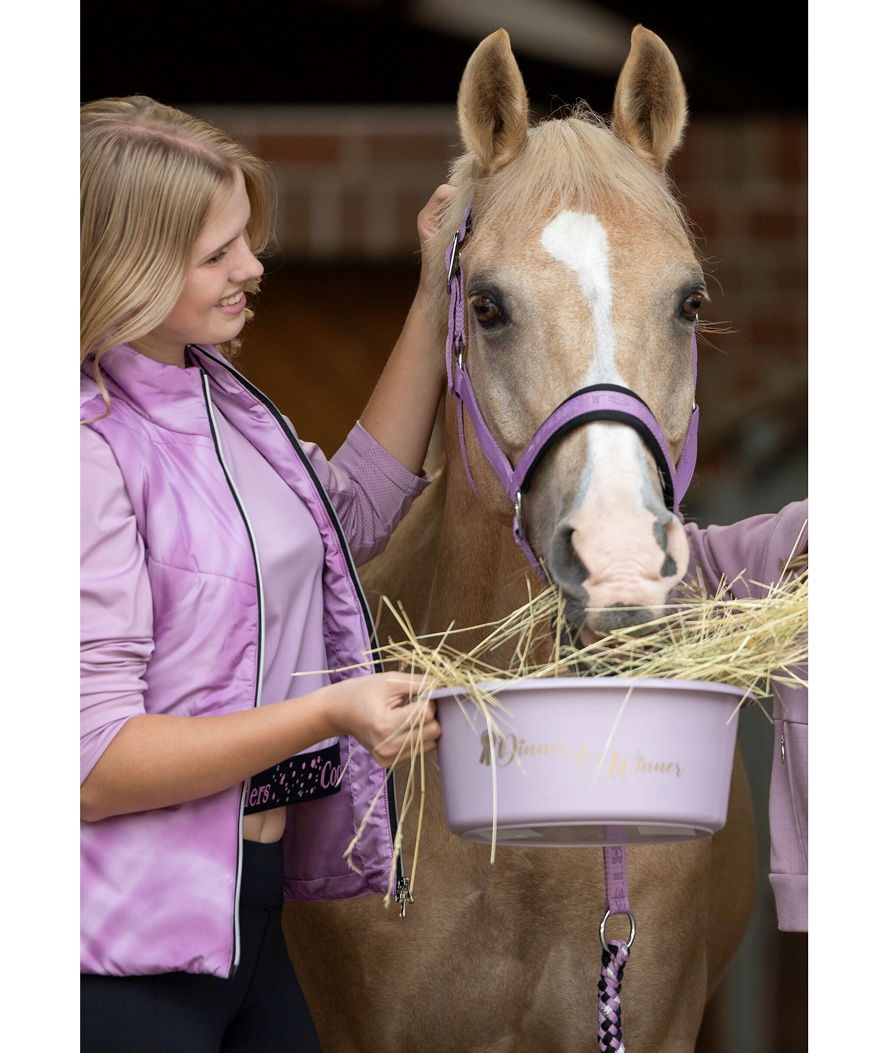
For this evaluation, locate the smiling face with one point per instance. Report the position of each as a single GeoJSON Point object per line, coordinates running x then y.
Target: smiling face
{"type": "Point", "coordinates": [211, 305]}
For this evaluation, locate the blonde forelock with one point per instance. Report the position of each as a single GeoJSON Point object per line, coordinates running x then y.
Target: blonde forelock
{"type": "Point", "coordinates": [577, 162]}
{"type": "Point", "coordinates": [574, 162]}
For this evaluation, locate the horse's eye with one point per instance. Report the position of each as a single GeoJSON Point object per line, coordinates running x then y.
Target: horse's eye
{"type": "Point", "coordinates": [487, 311]}
{"type": "Point", "coordinates": [691, 305]}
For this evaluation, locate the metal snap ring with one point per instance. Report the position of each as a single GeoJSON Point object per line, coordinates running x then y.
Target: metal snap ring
{"type": "Point", "coordinates": [631, 918]}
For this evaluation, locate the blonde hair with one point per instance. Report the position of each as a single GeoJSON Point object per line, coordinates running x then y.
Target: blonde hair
{"type": "Point", "coordinates": [149, 177]}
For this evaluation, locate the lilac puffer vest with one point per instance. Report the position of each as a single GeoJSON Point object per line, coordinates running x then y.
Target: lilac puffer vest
{"type": "Point", "coordinates": [159, 889]}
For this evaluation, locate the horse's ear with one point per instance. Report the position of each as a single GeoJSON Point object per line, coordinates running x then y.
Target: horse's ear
{"type": "Point", "coordinates": [492, 104]}
{"type": "Point", "coordinates": [650, 104]}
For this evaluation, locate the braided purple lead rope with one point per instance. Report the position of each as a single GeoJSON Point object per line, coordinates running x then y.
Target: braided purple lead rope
{"type": "Point", "coordinates": [610, 1022]}
{"type": "Point", "coordinates": [614, 953]}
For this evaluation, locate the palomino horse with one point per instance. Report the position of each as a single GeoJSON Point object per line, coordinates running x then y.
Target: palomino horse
{"type": "Point", "coordinates": [578, 271]}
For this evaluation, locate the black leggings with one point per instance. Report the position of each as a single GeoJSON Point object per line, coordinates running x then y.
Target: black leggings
{"type": "Point", "coordinates": [261, 1009]}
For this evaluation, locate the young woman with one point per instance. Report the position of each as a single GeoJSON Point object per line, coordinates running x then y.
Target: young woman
{"type": "Point", "coordinates": [218, 558]}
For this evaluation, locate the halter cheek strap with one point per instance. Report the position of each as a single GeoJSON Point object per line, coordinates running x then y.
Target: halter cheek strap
{"type": "Point", "coordinates": [597, 402]}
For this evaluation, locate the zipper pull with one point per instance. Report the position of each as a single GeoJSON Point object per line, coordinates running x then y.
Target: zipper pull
{"type": "Point", "coordinates": [403, 896]}
{"type": "Point", "coordinates": [782, 748]}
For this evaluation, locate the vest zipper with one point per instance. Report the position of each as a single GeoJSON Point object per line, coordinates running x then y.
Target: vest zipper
{"type": "Point", "coordinates": [260, 661]}
{"type": "Point", "coordinates": [402, 882]}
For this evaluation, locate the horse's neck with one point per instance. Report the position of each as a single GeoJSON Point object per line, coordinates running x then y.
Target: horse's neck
{"type": "Point", "coordinates": [450, 561]}
{"type": "Point", "coordinates": [481, 574]}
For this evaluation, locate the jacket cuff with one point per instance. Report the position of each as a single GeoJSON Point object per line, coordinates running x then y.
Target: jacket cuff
{"type": "Point", "coordinates": [363, 452]}
{"type": "Point", "coordinates": [791, 896]}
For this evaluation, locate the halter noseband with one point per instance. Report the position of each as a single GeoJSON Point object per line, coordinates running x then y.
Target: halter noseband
{"type": "Point", "coordinates": [596, 402]}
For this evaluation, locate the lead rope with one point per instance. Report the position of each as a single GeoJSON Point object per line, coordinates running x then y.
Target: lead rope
{"type": "Point", "coordinates": [614, 953]}
{"type": "Point", "coordinates": [610, 1021]}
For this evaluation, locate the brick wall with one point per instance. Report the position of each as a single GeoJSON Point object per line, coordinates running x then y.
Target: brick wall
{"type": "Point", "coordinates": [744, 183]}
{"type": "Point", "coordinates": [350, 179]}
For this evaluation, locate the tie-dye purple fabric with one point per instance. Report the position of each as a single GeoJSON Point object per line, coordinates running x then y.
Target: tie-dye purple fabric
{"type": "Point", "coordinates": [170, 624]}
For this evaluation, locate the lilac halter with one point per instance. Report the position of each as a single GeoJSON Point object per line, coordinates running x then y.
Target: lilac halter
{"type": "Point", "coordinates": [597, 402]}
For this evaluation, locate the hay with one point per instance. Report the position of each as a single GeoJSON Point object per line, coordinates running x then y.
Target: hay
{"type": "Point", "coordinates": [751, 643]}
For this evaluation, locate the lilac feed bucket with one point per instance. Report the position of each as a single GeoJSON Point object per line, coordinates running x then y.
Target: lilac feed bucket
{"type": "Point", "coordinates": [589, 761]}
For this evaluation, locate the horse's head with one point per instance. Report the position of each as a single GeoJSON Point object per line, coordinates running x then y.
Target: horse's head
{"type": "Point", "coordinates": [579, 271]}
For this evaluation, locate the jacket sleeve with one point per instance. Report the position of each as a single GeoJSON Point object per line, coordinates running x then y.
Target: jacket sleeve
{"type": "Point", "coordinates": [370, 490]}
{"type": "Point", "coordinates": [759, 548]}
{"type": "Point", "coordinates": [116, 618]}
{"type": "Point", "coordinates": [752, 553]}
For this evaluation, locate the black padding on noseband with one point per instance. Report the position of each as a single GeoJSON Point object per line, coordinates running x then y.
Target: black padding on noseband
{"type": "Point", "coordinates": [647, 437]}
{"type": "Point", "coordinates": [608, 387]}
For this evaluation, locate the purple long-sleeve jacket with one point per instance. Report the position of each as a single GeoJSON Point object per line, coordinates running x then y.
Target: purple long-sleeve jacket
{"type": "Point", "coordinates": [172, 622]}
{"type": "Point", "coordinates": [758, 548]}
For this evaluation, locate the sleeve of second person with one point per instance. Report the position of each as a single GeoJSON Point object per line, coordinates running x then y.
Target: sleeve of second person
{"type": "Point", "coordinates": [751, 553]}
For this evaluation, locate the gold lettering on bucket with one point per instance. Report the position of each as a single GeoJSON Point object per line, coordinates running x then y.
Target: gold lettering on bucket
{"type": "Point", "coordinates": [506, 749]}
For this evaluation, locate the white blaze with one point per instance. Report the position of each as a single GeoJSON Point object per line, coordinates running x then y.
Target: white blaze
{"type": "Point", "coordinates": [579, 241]}
{"type": "Point", "coordinates": [614, 521]}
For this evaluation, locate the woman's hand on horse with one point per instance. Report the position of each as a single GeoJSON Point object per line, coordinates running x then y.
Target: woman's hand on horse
{"type": "Point", "coordinates": [388, 713]}
{"type": "Point", "coordinates": [428, 225]}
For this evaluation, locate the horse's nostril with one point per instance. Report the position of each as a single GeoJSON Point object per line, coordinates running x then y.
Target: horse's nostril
{"type": "Point", "coordinates": [669, 568]}
{"type": "Point", "coordinates": [671, 537]}
{"type": "Point", "coordinates": [565, 564]}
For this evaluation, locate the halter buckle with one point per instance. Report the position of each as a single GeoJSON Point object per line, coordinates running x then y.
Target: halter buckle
{"type": "Point", "coordinates": [453, 265]}
{"type": "Point", "coordinates": [519, 529]}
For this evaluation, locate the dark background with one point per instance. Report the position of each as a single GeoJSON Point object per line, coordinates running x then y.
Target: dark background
{"type": "Point", "coordinates": [735, 56]}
